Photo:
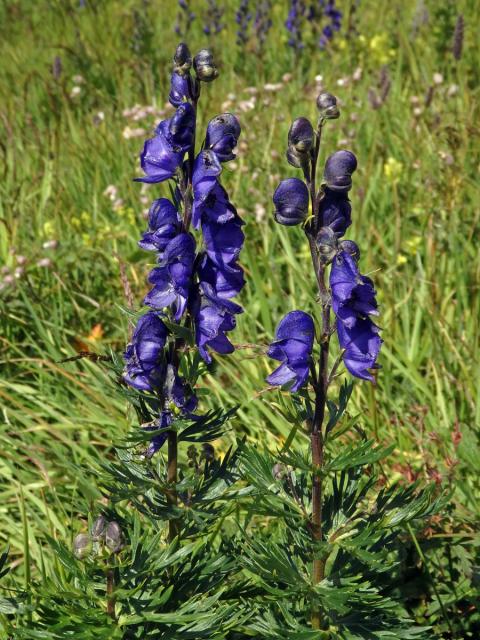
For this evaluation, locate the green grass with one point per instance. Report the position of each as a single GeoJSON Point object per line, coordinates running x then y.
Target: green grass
{"type": "Point", "coordinates": [418, 231]}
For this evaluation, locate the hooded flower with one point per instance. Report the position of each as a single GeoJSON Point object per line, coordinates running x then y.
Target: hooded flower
{"type": "Point", "coordinates": [223, 132]}
{"type": "Point", "coordinates": [179, 89]}
{"type": "Point", "coordinates": [362, 346]}
{"type": "Point", "coordinates": [207, 192]}
{"type": "Point", "coordinates": [291, 202]}
{"type": "Point", "coordinates": [172, 279]}
{"type": "Point", "coordinates": [181, 127]}
{"type": "Point", "coordinates": [353, 295]}
{"type": "Point", "coordinates": [353, 301]}
{"type": "Point", "coordinates": [144, 354]}
{"type": "Point", "coordinates": [334, 211]}
{"type": "Point", "coordinates": [293, 348]}
{"type": "Point", "coordinates": [223, 242]}
{"type": "Point", "coordinates": [163, 225]}
{"type": "Point", "coordinates": [226, 284]}
{"type": "Point", "coordinates": [338, 170]}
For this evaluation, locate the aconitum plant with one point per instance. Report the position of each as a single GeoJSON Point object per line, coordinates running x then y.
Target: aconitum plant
{"type": "Point", "coordinates": [196, 236]}
{"type": "Point", "coordinates": [326, 565]}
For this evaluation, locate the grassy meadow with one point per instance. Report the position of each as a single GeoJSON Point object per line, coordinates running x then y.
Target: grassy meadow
{"type": "Point", "coordinates": [81, 88]}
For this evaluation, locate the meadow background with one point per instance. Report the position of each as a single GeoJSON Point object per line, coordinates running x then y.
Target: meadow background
{"type": "Point", "coordinates": [82, 85]}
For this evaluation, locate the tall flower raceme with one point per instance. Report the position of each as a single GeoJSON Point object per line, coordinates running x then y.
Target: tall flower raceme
{"type": "Point", "coordinates": [197, 274]}
{"type": "Point", "coordinates": [325, 215]}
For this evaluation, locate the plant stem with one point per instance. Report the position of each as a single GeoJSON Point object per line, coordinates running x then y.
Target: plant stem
{"type": "Point", "coordinates": [110, 589]}
{"type": "Point", "coordinates": [320, 381]}
{"type": "Point", "coordinates": [172, 465]}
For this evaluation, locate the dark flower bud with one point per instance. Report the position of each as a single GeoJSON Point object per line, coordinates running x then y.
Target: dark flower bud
{"type": "Point", "coordinates": [98, 528]}
{"type": "Point", "coordinates": [182, 59]}
{"type": "Point", "coordinates": [114, 537]}
{"type": "Point", "coordinates": [208, 452]}
{"type": "Point", "coordinates": [338, 170]}
{"type": "Point", "coordinates": [327, 105]}
{"type": "Point", "coordinates": [278, 471]}
{"type": "Point", "coordinates": [327, 244]}
{"type": "Point", "coordinates": [301, 135]}
{"type": "Point", "coordinates": [291, 202]}
{"type": "Point", "coordinates": [350, 247]}
{"type": "Point", "coordinates": [295, 159]}
{"type": "Point", "coordinates": [205, 66]}
{"type": "Point", "coordinates": [82, 545]}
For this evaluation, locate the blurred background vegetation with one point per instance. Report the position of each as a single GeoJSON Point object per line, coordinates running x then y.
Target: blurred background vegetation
{"type": "Point", "coordinates": [82, 85]}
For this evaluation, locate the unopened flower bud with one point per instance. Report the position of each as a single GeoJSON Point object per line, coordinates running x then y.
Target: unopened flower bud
{"type": "Point", "coordinates": [208, 452]}
{"type": "Point", "coordinates": [205, 66]}
{"type": "Point", "coordinates": [350, 247]}
{"type": "Point", "coordinates": [114, 537]}
{"type": "Point", "coordinates": [278, 471]}
{"type": "Point", "coordinates": [98, 528]}
{"type": "Point", "coordinates": [327, 106]}
{"type": "Point", "coordinates": [82, 545]}
{"type": "Point", "coordinates": [327, 244]}
{"type": "Point", "coordinates": [338, 170]}
{"type": "Point", "coordinates": [301, 135]}
{"type": "Point", "coordinates": [182, 59]}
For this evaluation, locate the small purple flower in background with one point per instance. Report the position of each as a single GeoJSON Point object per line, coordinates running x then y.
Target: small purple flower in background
{"type": "Point", "coordinates": [316, 14]}
{"type": "Point", "coordinates": [293, 348]}
{"type": "Point", "coordinates": [294, 23]}
{"type": "Point", "coordinates": [263, 21]}
{"type": "Point", "coordinates": [213, 18]}
{"type": "Point", "coordinates": [243, 18]}
{"type": "Point", "coordinates": [184, 19]}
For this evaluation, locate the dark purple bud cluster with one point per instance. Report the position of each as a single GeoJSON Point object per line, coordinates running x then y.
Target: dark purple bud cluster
{"type": "Point", "coordinates": [243, 17]}
{"type": "Point", "coordinates": [352, 294]}
{"type": "Point", "coordinates": [263, 21]}
{"type": "Point", "coordinates": [184, 18]}
{"type": "Point", "coordinates": [213, 18]}
{"type": "Point", "coordinates": [192, 281]}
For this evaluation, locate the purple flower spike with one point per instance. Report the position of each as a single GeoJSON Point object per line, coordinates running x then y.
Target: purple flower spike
{"type": "Point", "coordinates": [362, 346]}
{"type": "Point", "coordinates": [338, 170]}
{"type": "Point", "coordinates": [179, 89]}
{"type": "Point", "coordinates": [163, 225]}
{"type": "Point", "coordinates": [293, 348]}
{"type": "Point", "coordinates": [143, 356]}
{"type": "Point", "coordinates": [223, 132]}
{"type": "Point", "coordinates": [215, 207]}
{"type": "Point", "coordinates": [172, 279]}
{"type": "Point", "coordinates": [291, 202]}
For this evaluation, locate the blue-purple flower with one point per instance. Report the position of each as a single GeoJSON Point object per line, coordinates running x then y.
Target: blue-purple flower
{"type": "Point", "coordinates": [293, 348]}
{"type": "Point", "coordinates": [338, 170]}
{"type": "Point", "coordinates": [223, 242]}
{"type": "Point", "coordinates": [291, 200]}
{"type": "Point", "coordinates": [362, 346]}
{"type": "Point", "coordinates": [334, 211]}
{"type": "Point", "coordinates": [179, 89]}
{"type": "Point", "coordinates": [225, 283]}
{"type": "Point", "coordinates": [172, 279]}
{"type": "Point", "coordinates": [353, 301]}
{"type": "Point", "coordinates": [214, 316]}
{"type": "Point", "coordinates": [164, 224]}
{"type": "Point", "coordinates": [222, 136]}
{"type": "Point", "coordinates": [144, 354]}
